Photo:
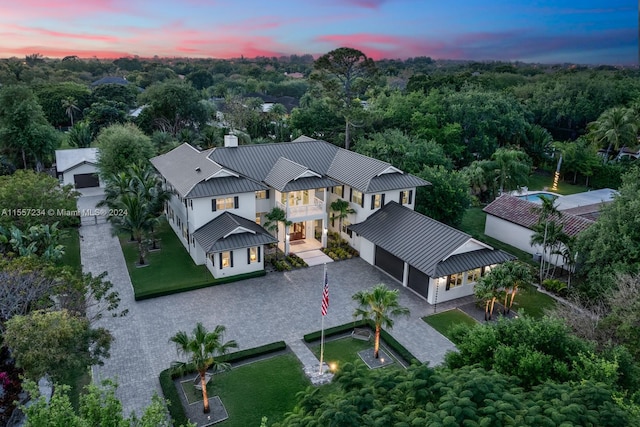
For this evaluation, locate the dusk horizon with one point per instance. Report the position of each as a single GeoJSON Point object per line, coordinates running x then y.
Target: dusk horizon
{"type": "Point", "coordinates": [587, 32]}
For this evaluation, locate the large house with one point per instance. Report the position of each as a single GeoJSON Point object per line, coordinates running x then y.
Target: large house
{"type": "Point", "coordinates": [220, 198]}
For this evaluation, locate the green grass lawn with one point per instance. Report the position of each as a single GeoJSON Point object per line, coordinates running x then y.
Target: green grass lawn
{"type": "Point", "coordinates": [539, 182]}
{"type": "Point", "coordinates": [442, 322]}
{"type": "Point", "coordinates": [169, 270]}
{"type": "Point", "coordinates": [342, 350]}
{"type": "Point", "coordinates": [264, 388]}
{"type": "Point", "coordinates": [71, 243]}
{"type": "Point", "coordinates": [531, 302]}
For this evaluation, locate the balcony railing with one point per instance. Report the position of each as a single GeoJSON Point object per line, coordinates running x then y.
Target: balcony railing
{"type": "Point", "coordinates": [299, 211]}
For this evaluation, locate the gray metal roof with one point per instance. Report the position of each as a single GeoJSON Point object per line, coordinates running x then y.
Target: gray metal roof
{"type": "Point", "coordinates": [185, 166]}
{"type": "Point", "coordinates": [358, 171]}
{"type": "Point", "coordinates": [284, 171]}
{"type": "Point", "coordinates": [211, 236]}
{"type": "Point", "coordinates": [223, 186]}
{"type": "Point", "coordinates": [309, 182]}
{"type": "Point", "coordinates": [395, 181]}
{"type": "Point", "coordinates": [419, 240]}
{"type": "Point", "coordinates": [67, 159]}
{"type": "Point", "coordinates": [469, 260]}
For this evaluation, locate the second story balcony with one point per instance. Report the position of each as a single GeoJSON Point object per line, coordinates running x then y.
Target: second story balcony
{"type": "Point", "coordinates": [315, 208]}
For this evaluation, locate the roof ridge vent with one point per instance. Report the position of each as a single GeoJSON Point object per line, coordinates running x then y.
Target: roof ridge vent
{"type": "Point", "coordinates": [198, 169]}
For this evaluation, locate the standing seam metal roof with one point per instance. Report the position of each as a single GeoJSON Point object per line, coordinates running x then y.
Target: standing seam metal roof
{"type": "Point", "coordinates": [417, 239]}
{"type": "Point", "coordinates": [224, 186]}
{"type": "Point", "coordinates": [358, 171]}
{"type": "Point", "coordinates": [211, 235]}
{"type": "Point", "coordinates": [284, 171]}
{"type": "Point", "coordinates": [469, 260]}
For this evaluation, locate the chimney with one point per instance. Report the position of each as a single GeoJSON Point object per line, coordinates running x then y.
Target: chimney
{"type": "Point", "coordinates": [230, 141]}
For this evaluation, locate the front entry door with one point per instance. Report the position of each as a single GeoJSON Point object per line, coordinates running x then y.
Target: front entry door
{"type": "Point", "coordinates": [297, 231]}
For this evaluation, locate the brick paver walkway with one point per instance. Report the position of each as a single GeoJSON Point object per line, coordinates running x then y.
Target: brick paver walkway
{"type": "Point", "coordinates": [257, 311]}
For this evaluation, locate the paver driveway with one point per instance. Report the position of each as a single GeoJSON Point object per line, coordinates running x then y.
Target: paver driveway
{"type": "Point", "coordinates": [279, 306]}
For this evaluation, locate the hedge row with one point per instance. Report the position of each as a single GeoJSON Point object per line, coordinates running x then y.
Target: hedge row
{"type": "Point", "coordinates": [139, 296]}
{"type": "Point", "coordinates": [170, 391]}
{"type": "Point", "coordinates": [347, 327]}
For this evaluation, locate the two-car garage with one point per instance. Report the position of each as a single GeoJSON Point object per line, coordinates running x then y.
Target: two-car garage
{"type": "Point", "coordinates": [78, 167]}
{"type": "Point", "coordinates": [86, 180]}
{"type": "Point", "coordinates": [394, 266]}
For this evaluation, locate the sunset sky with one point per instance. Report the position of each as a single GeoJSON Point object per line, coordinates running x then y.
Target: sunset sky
{"type": "Point", "coordinates": [550, 31]}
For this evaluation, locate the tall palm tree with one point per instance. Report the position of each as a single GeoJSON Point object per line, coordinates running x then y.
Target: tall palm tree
{"type": "Point", "coordinates": [273, 219]}
{"type": "Point", "coordinates": [379, 304]}
{"type": "Point", "coordinates": [70, 106]}
{"type": "Point", "coordinates": [202, 348]}
{"type": "Point", "coordinates": [342, 210]}
{"type": "Point", "coordinates": [548, 213]}
{"type": "Point", "coordinates": [491, 287]}
{"type": "Point", "coordinates": [511, 168]}
{"type": "Point", "coordinates": [617, 126]}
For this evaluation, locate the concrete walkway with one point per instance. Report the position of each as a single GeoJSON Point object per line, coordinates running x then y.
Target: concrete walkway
{"type": "Point", "coordinates": [315, 257]}
{"type": "Point", "coordinates": [256, 312]}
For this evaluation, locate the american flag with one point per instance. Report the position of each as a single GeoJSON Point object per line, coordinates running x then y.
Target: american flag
{"type": "Point", "coordinates": [325, 294]}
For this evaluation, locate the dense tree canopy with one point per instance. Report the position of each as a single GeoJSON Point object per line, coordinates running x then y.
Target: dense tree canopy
{"type": "Point", "coordinates": [122, 146]}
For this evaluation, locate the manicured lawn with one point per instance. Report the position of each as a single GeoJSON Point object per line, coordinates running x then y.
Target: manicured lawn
{"type": "Point", "coordinates": [539, 182]}
{"type": "Point", "coordinates": [531, 302]}
{"type": "Point", "coordinates": [170, 269]}
{"type": "Point", "coordinates": [264, 388]}
{"type": "Point", "coordinates": [442, 322]}
{"type": "Point", "coordinates": [342, 350]}
{"type": "Point", "coordinates": [71, 243]}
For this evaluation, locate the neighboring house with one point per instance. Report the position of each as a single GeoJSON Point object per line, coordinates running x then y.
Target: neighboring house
{"type": "Point", "coordinates": [78, 167]}
{"type": "Point", "coordinates": [110, 80]}
{"type": "Point", "coordinates": [436, 261]}
{"type": "Point", "coordinates": [221, 196]}
{"type": "Point", "coordinates": [511, 219]}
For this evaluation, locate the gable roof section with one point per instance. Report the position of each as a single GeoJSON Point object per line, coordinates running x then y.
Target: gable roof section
{"type": "Point", "coordinates": [68, 159]}
{"type": "Point", "coordinates": [363, 173]}
{"type": "Point", "coordinates": [224, 186]}
{"type": "Point", "coordinates": [228, 231]}
{"type": "Point", "coordinates": [469, 260]}
{"type": "Point", "coordinates": [417, 239]}
{"type": "Point", "coordinates": [185, 166]}
{"type": "Point", "coordinates": [522, 212]}
{"type": "Point", "coordinates": [285, 171]}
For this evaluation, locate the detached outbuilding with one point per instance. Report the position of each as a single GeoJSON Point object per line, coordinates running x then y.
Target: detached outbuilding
{"type": "Point", "coordinates": [78, 167]}
{"type": "Point", "coordinates": [436, 261]}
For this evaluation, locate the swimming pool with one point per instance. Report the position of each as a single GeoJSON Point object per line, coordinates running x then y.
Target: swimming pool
{"type": "Point", "coordinates": [535, 197]}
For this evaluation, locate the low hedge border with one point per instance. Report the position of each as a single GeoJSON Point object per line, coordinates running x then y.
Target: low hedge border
{"type": "Point", "coordinates": [170, 391]}
{"type": "Point", "coordinates": [389, 340]}
{"type": "Point", "coordinates": [139, 296]}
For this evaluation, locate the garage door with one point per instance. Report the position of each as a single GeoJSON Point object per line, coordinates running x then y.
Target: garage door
{"type": "Point", "coordinates": [389, 263]}
{"type": "Point", "coordinates": [418, 281]}
{"type": "Point", "coordinates": [85, 180]}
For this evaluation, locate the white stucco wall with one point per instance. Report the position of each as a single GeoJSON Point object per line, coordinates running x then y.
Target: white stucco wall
{"type": "Point", "coordinates": [240, 264]}
{"type": "Point", "coordinates": [470, 245]}
{"type": "Point", "coordinates": [438, 291]}
{"type": "Point", "coordinates": [67, 176]}
{"type": "Point", "coordinates": [200, 213]}
{"type": "Point", "coordinates": [367, 250]}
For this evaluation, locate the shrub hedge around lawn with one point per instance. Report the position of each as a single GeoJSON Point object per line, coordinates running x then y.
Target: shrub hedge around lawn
{"type": "Point", "coordinates": [171, 393]}
{"type": "Point", "coordinates": [391, 342]}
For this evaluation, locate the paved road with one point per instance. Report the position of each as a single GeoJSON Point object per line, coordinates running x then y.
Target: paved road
{"type": "Point", "coordinates": [279, 306]}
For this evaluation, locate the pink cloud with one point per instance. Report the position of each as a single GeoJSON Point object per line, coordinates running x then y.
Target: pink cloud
{"type": "Point", "coordinates": [62, 9]}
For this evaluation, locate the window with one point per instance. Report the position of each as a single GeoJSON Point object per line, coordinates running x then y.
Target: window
{"type": "Point", "coordinates": [454, 280]}
{"type": "Point", "coordinates": [356, 197]}
{"type": "Point", "coordinates": [253, 255]}
{"type": "Point", "coordinates": [212, 257]}
{"type": "Point", "coordinates": [377, 201]}
{"type": "Point", "coordinates": [474, 275]}
{"type": "Point", "coordinates": [339, 190]}
{"type": "Point", "coordinates": [258, 218]}
{"type": "Point", "coordinates": [226, 259]}
{"type": "Point", "coordinates": [191, 203]}
{"type": "Point", "coordinates": [224, 203]}
{"type": "Point", "coordinates": [262, 194]}
{"type": "Point", "coordinates": [405, 197]}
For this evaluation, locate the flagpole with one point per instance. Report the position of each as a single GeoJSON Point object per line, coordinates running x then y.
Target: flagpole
{"type": "Point", "coordinates": [324, 280]}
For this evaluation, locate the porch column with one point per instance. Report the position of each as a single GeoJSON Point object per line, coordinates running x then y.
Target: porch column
{"type": "Point", "coordinates": [325, 231]}
{"type": "Point", "coordinates": [405, 275]}
{"type": "Point", "coordinates": [287, 238]}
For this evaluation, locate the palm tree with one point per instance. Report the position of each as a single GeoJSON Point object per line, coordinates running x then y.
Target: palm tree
{"type": "Point", "coordinates": [70, 106]}
{"type": "Point", "coordinates": [547, 213]}
{"type": "Point", "coordinates": [517, 274]}
{"type": "Point", "coordinates": [130, 214]}
{"type": "Point", "coordinates": [80, 135]}
{"type": "Point", "coordinates": [202, 348]}
{"type": "Point", "coordinates": [617, 126]}
{"type": "Point", "coordinates": [511, 168]}
{"type": "Point", "coordinates": [379, 304]}
{"type": "Point", "coordinates": [273, 219]}
{"type": "Point", "coordinates": [342, 211]}
{"type": "Point", "coordinates": [490, 287]}
{"type": "Point", "coordinates": [477, 174]}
